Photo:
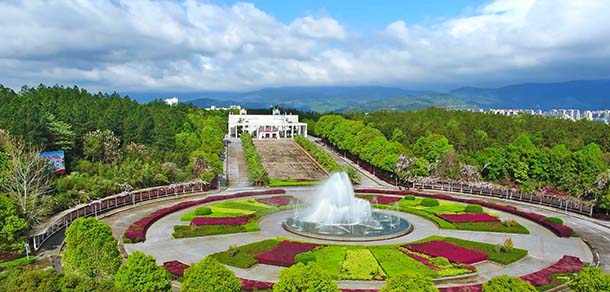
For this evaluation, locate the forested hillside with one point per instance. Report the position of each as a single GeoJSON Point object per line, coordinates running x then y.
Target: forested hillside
{"type": "Point", "coordinates": [111, 143]}
{"type": "Point", "coordinates": [527, 152]}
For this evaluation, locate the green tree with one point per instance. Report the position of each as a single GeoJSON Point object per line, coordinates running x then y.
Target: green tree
{"type": "Point", "coordinates": [305, 278]}
{"type": "Point", "coordinates": [17, 280]}
{"type": "Point", "coordinates": [102, 146]}
{"type": "Point", "coordinates": [61, 136]}
{"type": "Point", "coordinates": [507, 283]}
{"type": "Point", "coordinates": [141, 274]}
{"type": "Point", "coordinates": [431, 147]}
{"type": "Point", "coordinates": [209, 276]}
{"type": "Point", "coordinates": [590, 280]}
{"type": "Point", "coordinates": [90, 249]}
{"type": "Point", "coordinates": [11, 226]}
{"type": "Point", "coordinates": [407, 282]}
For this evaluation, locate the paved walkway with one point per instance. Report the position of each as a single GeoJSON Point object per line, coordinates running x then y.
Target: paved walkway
{"type": "Point", "coordinates": [238, 171]}
{"type": "Point", "coordinates": [544, 247]}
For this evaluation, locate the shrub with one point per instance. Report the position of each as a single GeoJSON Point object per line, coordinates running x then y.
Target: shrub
{"type": "Point", "coordinates": [360, 264]}
{"type": "Point", "coordinates": [473, 209]}
{"type": "Point", "coordinates": [409, 197]}
{"type": "Point", "coordinates": [305, 278]}
{"type": "Point", "coordinates": [202, 211]}
{"type": "Point", "coordinates": [453, 253]}
{"type": "Point", "coordinates": [411, 283]}
{"type": "Point", "coordinates": [591, 280]}
{"type": "Point", "coordinates": [440, 262]}
{"type": "Point", "coordinates": [429, 202]}
{"type": "Point", "coordinates": [304, 258]}
{"type": "Point", "coordinates": [141, 273]}
{"type": "Point", "coordinates": [554, 220]}
{"type": "Point", "coordinates": [209, 275]}
{"type": "Point", "coordinates": [507, 246]}
{"type": "Point", "coordinates": [510, 223]}
{"type": "Point", "coordinates": [283, 254]}
{"type": "Point", "coordinates": [507, 283]}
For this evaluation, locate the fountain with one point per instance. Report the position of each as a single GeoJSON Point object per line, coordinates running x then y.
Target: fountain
{"type": "Point", "coordinates": [335, 213]}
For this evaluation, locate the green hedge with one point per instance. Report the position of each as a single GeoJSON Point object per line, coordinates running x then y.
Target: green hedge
{"type": "Point", "coordinates": [18, 262]}
{"type": "Point", "coordinates": [360, 264]}
{"type": "Point", "coordinates": [256, 172]}
{"type": "Point", "coordinates": [554, 220]}
{"type": "Point", "coordinates": [501, 257]}
{"type": "Point", "coordinates": [429, 202]}
{"type": "Point", "coordinates": [243, 256]}
{"type": "Point", "coordinates": [473, 209]}
{"type": "Point", "coordinates": [323, 158]}
{"type": "Point", "coordinates": [202, 211]}
{"type": "Point", "coordinates": [275, 182]}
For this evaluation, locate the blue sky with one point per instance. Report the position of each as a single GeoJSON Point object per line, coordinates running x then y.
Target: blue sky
{"type": "Point", "coordinates": [368, 14]}
{"type": "Point", "coordinates": [195, 45]}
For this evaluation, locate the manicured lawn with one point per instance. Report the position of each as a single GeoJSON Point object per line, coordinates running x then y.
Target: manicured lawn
{"type": "Point", "coordinates": [243, 256]}
{"type": "Point", "coordinates": [275, 182]}
{"type": "Point", "coordinates": [491, 227]}
{"type": "Point", "coordinates": [184, 231]}
{"type": "Point", "coordinates": [230, 209]}
{"type": "Point", "coordinates": [360, 264]}
{"type": "Point", "coordinates": [504, 258]}
{"type": "Point", "coordinates": [395, 262]}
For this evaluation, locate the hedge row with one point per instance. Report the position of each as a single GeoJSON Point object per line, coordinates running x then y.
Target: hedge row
{"type": "Point", "coordinates": [256, 172]}
{"type": "Point", "coordinates": [325, 159]}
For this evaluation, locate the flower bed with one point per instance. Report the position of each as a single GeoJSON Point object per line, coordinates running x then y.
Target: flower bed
{"type": "Point", "coordinates": [453, 253]}
{"type": "Point", "coordinates": [253, 285]}
{"type": "Point", "coordinates": [468, 288]}
{"type": "Point", "coordinates": [175, 268]}
{"type": "Point", "coordinates": [567, 264]}
{"type": "Point", "coordinates": [559, 229]}
{"type": "Point", "coordinates": [276, 200]}
{"type": "Point", "coordinates": [384, 200]}
{"type": "Point", "coordinates": [283, 254]}
{"type": "Point", "coordinates": [137, 231]}
{"type": "Point", "coordinates": [198, 221]}
{"type": "Point", "coordinates": [468, 217]}
{"type": "Point", "coordinates": [420, 259]}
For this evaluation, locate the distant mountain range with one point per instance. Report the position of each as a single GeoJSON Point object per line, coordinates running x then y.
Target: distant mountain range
{"type": "Point", "coordinates": [582, 94]}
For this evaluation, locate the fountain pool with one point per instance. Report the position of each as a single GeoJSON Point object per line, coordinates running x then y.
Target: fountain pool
{"type": "Point", "coordinates": [335, 213]}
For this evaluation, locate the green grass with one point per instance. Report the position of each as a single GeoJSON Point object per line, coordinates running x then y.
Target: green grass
{"type": "Point", "coordinates": [231, 209]}
{"type": "Point", "coordinates": [18, 262]}
{"type": "Point", "coordinates": [491, 227]}
{"type": "Point", "coordinates": [276, 182]}
{"type": "Point", "coordinates": [504, 258]}
{"type": "Point", "coordinates": [244, 256]}
{"type": "Point", "coordinates": [360, 264]}
{"type": "Point", "coordinates": [184, 231]}
{"type": "Point", "coordinates": [395, 262]}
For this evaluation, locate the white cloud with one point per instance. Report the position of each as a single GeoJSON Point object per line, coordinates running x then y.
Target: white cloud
{"type": "Point", "coordinates": [139, 45]}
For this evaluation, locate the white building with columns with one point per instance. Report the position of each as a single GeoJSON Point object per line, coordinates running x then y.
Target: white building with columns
{"type": "Point", "coordinates": [274, 126]}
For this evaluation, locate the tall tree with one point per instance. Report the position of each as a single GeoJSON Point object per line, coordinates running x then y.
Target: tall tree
{"type": "Point", "coordinates": [305, 278]}
{"type": "Point", "coordinates": [11, 226]}
{"type": "Point", "coordinates": [28, 180]}
{"type": "Point", "coordinates": [90, 249]}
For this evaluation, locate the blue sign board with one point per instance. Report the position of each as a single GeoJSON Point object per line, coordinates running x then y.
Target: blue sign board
{"type": "Point", "coordinates": [57, 159]}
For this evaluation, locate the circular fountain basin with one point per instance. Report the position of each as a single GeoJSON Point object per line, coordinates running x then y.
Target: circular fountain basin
{"type": "Point", "coordinates": [390, 226]}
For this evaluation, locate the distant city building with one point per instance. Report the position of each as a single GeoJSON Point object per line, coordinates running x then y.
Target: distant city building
{"type": "Point", "coordinates": [274, 126]}
{"type": "Point", "coordinates": [171, 101]}
{"type": "Point", "coordinates": [231, 107]}
{"type": "Point", "coordinates": [568, 114]}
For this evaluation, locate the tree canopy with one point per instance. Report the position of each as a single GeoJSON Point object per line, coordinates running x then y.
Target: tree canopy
{"type": "Point", "coordinates": [507, 283]}
{"type": "Point", "coordinates": [305, 278]}
{"type": "Point", "coordinates": [141, 274]}
{"type": "Point", "coordinates": [209, 276]}
{"type": "Point", "coordinates": [90, 249]}
{"type": "Point", "coordinates": [405, 282]}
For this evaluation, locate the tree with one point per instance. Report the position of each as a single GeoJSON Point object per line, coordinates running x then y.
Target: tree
{"type": "Point", "coordinates": [61, 136]}
{"type": "Point", "coordinates": [16, 280]}
{"type": "Point", "coordinates": [209, 276]}
{"type": "Point", "coordinates": [305, 278]}
{"type": "Point", "coordinates": [507, 283]}
{"type": "Point", "coordinates": [601, 190]}
{"type": "Point", "coordinates": [90, 249]}
{"type": "Point", "coordinates": [28, 181]}
{"type": "Point", "coordinates": [590, 280]}
{"type": "Point", "coordinates": [407, 282]}
{"type": "Point", "coordinates": [11, 226]}
{"type": "Point", "coordinates": [141, 274]}
{"type": "Point", "coordinates": [102, 146]}
{"type": "Point", "coordinates": [431, 147]}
